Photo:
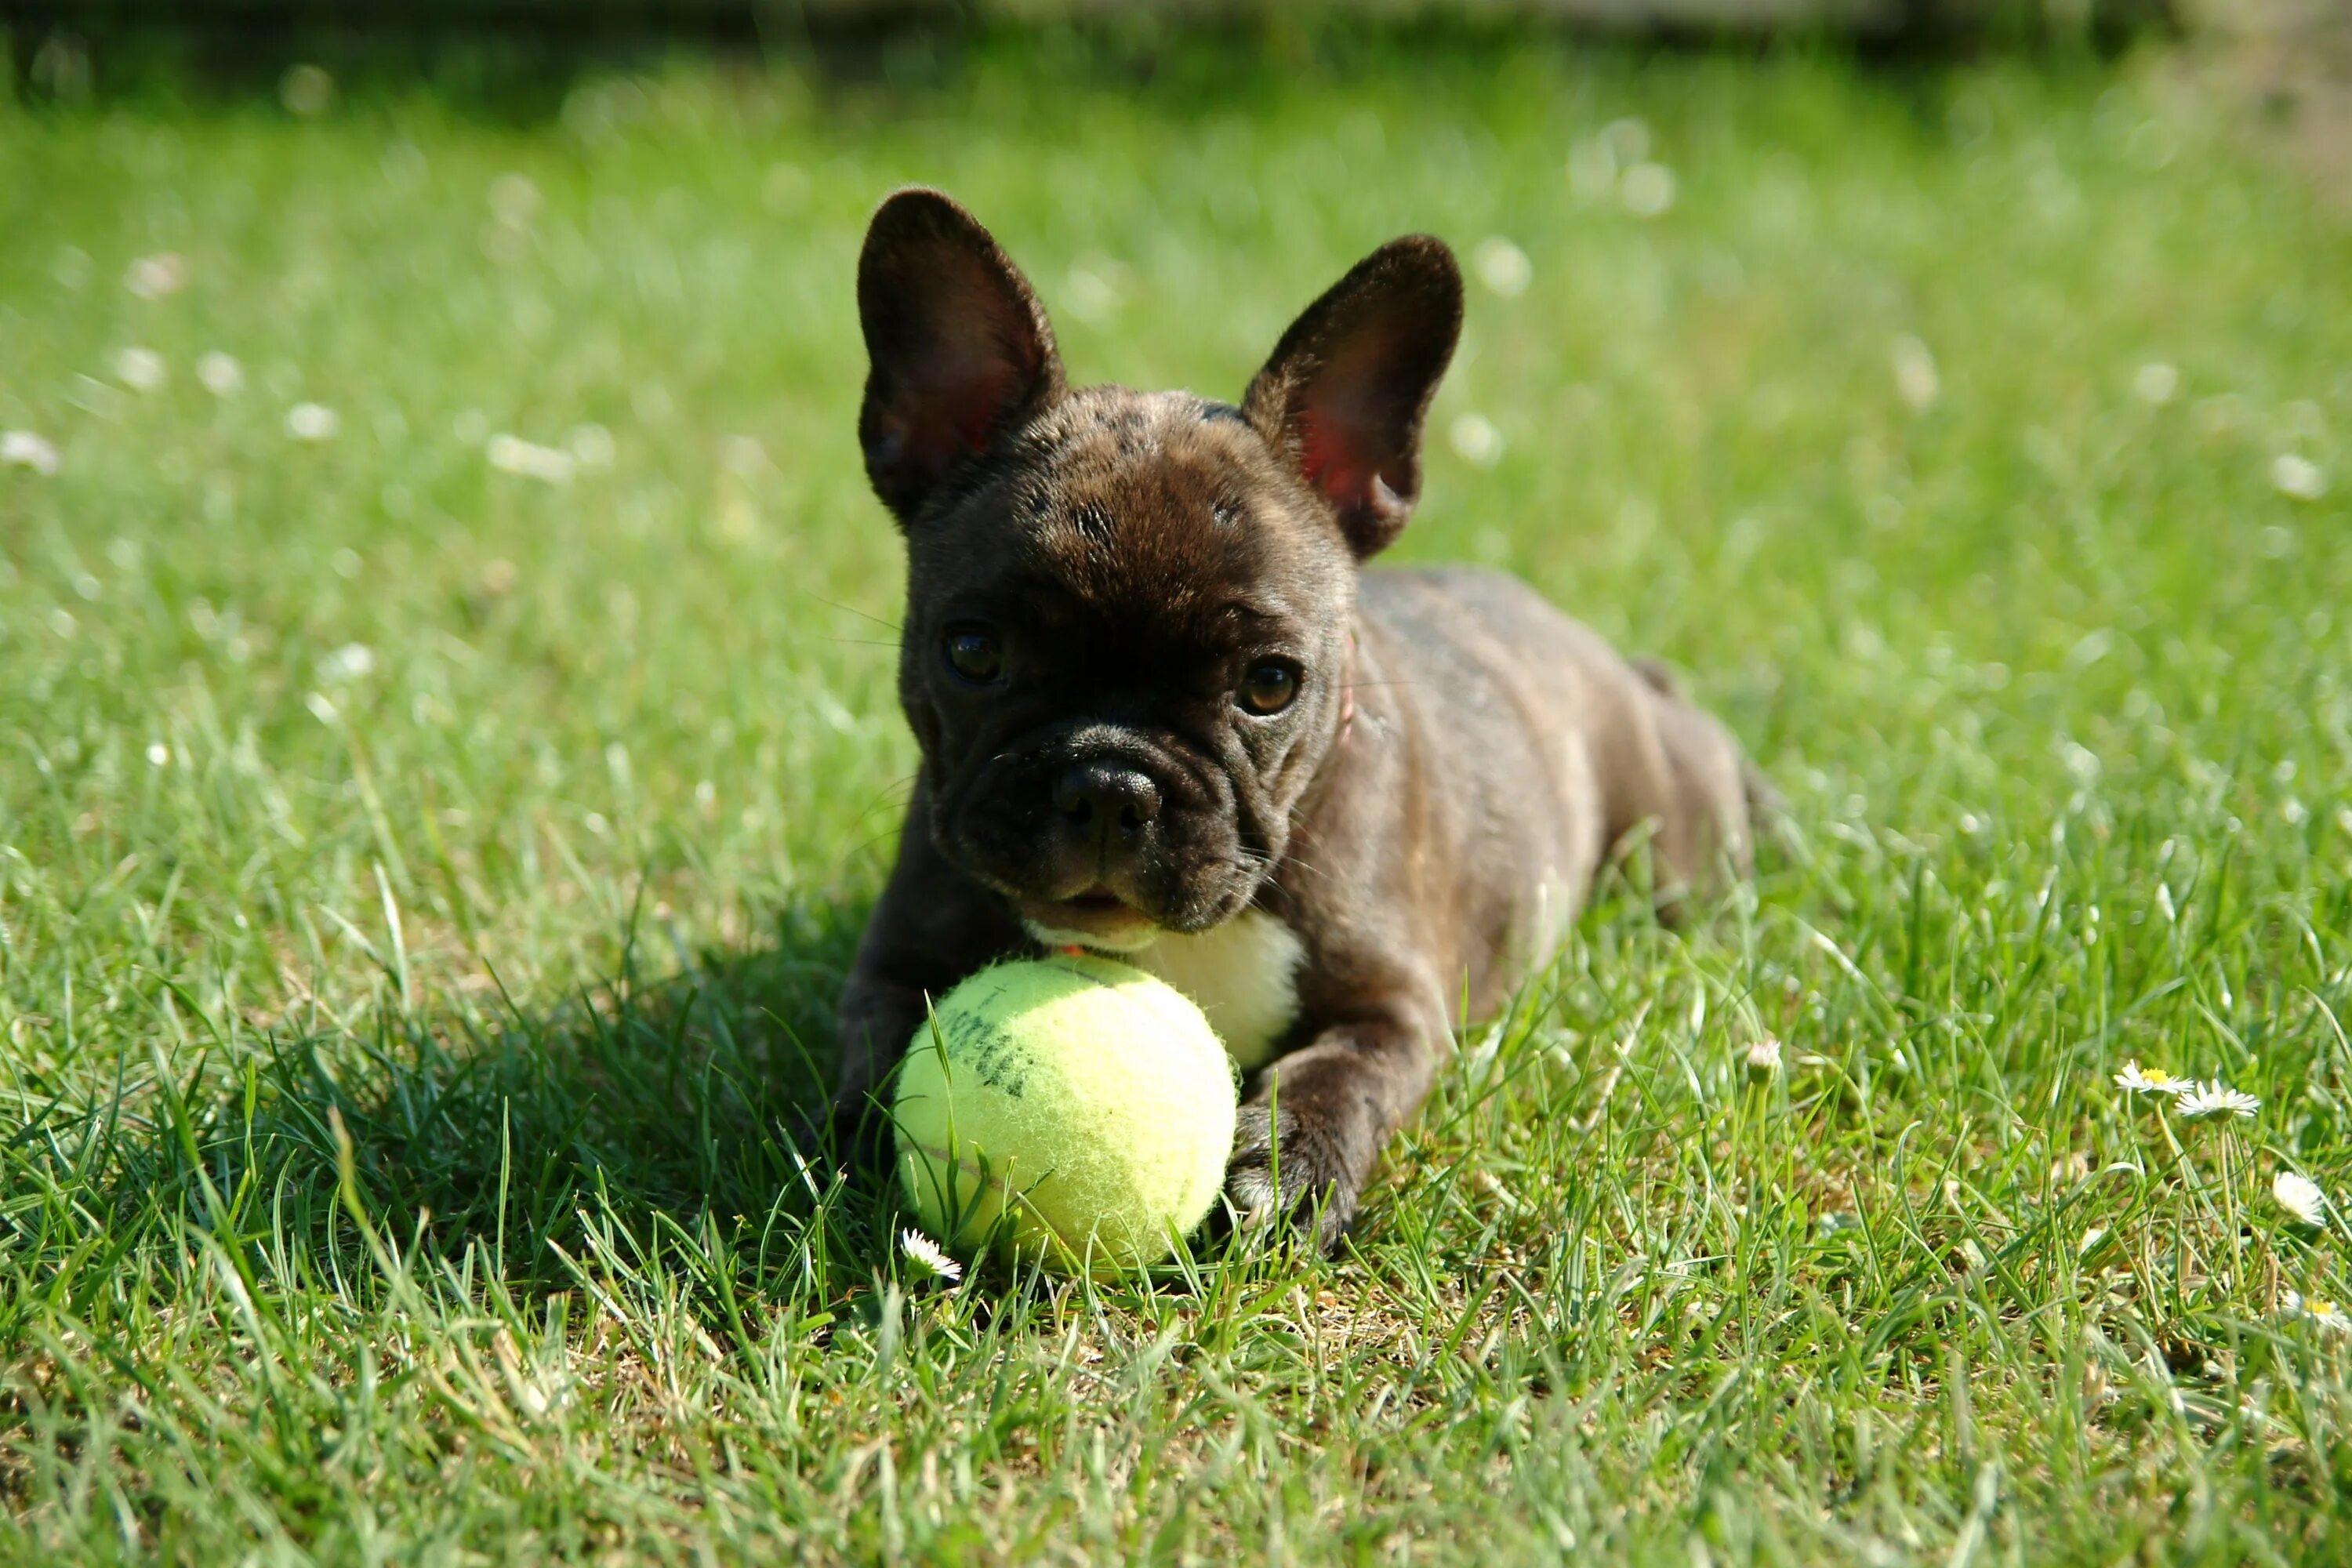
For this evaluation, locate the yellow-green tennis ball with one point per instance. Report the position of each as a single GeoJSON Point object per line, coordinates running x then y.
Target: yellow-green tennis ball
{"type": "Point", "coordinates": [1072, 1107]}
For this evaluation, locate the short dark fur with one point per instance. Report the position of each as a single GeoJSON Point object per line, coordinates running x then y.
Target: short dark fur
{"type": "Point", "coordinates": [1425, 813]}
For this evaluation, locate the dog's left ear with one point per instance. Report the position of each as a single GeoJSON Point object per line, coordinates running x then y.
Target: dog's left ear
{"type": "Point", "coordinates": [959, 351]}
{"type": "Point", "coordinates": [1344, 394]}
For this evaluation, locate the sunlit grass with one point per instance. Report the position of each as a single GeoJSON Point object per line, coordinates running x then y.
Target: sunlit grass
{"type": "Point", "coordinates": [447, 745]}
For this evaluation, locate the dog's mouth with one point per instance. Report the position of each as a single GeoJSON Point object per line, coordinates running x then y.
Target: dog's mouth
{"type": "Point", "coordinates": [1094, 917]}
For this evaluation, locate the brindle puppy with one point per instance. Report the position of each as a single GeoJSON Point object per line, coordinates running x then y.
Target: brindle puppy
{"type": "Point", "coordinates": [1164, 712]}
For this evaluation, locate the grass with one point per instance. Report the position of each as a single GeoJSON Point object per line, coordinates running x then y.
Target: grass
{"type": "Point", "coordinates": [424, 886]}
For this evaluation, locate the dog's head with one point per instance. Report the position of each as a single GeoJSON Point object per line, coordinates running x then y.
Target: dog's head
{"type": "Point", "coordinates": [1126, 649]}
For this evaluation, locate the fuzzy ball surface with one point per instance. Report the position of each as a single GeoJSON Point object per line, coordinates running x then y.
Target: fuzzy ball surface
{"type": "Point", "coordinates": [1071, 1108]}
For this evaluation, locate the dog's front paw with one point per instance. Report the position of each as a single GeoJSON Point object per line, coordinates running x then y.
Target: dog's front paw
{"type": "Point", "coordinates": [1282, 1167]}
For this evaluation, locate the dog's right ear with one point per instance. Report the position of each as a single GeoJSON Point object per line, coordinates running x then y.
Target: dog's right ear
{"type": "Point", "coordinates": [959, 348]}
{"type": "Point", "coordinates": [1348, 385]}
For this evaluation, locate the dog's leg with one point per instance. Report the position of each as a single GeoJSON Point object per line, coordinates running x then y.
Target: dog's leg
{"type": "Point", "coordinates": [878, 1017]}
{"type": "Point", "coordinates": [1318, 1118]}
{"type": "Point", "coordinates": [1701, 798]}
{"type": "Point", "coordinates": [931, 927]}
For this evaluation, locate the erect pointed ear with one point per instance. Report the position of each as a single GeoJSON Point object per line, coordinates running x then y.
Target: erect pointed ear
{"type": "Point", "coordinates": [959, 351]}
{"type": "Point", "coordinates": [1345, 392]}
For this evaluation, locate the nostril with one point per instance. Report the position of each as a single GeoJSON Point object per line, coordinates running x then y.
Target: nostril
{"type": "Point", "coordinates": [1072, 796]}
{"type": "Point", "coordinates": [1138, 800]}
{"type": "Point", "coordinates": [1102, 793]}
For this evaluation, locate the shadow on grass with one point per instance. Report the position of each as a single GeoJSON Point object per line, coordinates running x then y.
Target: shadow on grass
{"type": "Point", "coordinates": [661, 1115]}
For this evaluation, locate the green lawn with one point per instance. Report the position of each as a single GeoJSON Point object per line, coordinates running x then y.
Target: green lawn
{"type": "Point", "coordinates": [510, 831]}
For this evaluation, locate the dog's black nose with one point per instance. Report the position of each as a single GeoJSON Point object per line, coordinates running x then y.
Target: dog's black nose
{"type": "Point", "coordinates": [1105, 794]}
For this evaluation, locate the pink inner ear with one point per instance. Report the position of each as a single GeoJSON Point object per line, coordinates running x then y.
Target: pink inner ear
{"type": "Point", "coordinates": [953, 415]}
{"type": "Point", "coordinates": [1331, 462]}
{"type": "Point", "coordinates": [979, 401]}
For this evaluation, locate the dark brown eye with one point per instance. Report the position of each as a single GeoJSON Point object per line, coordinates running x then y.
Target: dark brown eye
{"type": "Point", "coordinates": [975, 653]}
{"type": "Point", "coordinates": [1268, 688]}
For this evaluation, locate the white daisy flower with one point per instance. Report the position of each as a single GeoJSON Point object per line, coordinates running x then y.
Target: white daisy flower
{"type": "Point", "coordinates": [221, 374]}
{"type": "Point", "coordinates": [1916, 378]}
{"type": "Point", "coordinates": [1093, 291]}
{"type": "Point", "coordinates": [353, 661]}
{"type": "Point", "coordinates": [27, 449]}
{"type": "Point", "coordinates": [1764, 1055]}
{"type": "Point", "coordinates": [2156, 383]}
{"type": "Point", "coordinates": [2217, 1098]}
{"type": "Point", "coordinates": [1646, 189]}
{"type": "Point", "coordinates": [152, 277]}
{"type": "Point", "coordinates": [2326, 1313]}
{"type": "Point", "coordinates": [2299, 478]}
{"type": "Point", "coordinates": [1503, 266]}
{"type": "Point", "coordinates": [140, 370]}
{"type": "Point", "coordinates": [312, 422]}
{"type": "Point", "coordinates": [1477, 440]}
{"type": "Point", "coordinates": [2300, 1196]}
{"type": "Point", "coordinates": [513, 455]}
{"type": "Point", "coordinates": [921, 1250]}
{"type": "Point", "coordinates": [2136, 1080]}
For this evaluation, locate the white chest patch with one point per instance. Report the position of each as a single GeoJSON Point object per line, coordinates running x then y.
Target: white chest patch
{"type": "Point", "coordinates": [1244, 975]}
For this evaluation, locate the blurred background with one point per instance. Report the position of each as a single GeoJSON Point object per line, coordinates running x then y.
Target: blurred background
{"type": "Point", "coordinates": [67, 46]}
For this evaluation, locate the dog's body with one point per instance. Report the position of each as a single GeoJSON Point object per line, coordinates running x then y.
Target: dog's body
{"type": "Point", "coordinates": [1162, 715]}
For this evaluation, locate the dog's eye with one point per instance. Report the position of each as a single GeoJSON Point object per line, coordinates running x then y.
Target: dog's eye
{"type": "Point", "coordinates": [975, 653]}
{"type": "Point", "coordinates": [1268, 688]}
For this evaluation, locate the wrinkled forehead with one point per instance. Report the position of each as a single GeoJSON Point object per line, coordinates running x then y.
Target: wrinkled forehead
{"type": "Point", "coordinates": [1161, 505]}
{"type": "Point", "coordinates": [1106, 445]}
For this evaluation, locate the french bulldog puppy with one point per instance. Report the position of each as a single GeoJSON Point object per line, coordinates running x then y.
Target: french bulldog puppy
{"type": "Point", "coordinates": [1165, 713]}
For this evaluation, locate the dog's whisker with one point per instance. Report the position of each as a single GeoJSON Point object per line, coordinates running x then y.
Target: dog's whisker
{"type": "Point", "coordinates": [891, 795]}
{"type": "Point", "coordinates": [893, 627]}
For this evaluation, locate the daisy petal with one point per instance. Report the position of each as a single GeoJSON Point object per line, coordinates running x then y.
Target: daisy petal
{"type": "Point", "coordinates": [923, 1250]}
{"type": "Point", "coordinates": [2217, 1098]}
{"type": "Point", "coordinates": [2300, 1196]}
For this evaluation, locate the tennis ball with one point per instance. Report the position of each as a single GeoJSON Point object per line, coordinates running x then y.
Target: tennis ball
{"type": "Point", "coordinates": [1070, 1108]}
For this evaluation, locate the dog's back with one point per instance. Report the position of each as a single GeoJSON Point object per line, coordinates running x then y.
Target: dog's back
{"type": "Point", "coordinates": [1554, 749]}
